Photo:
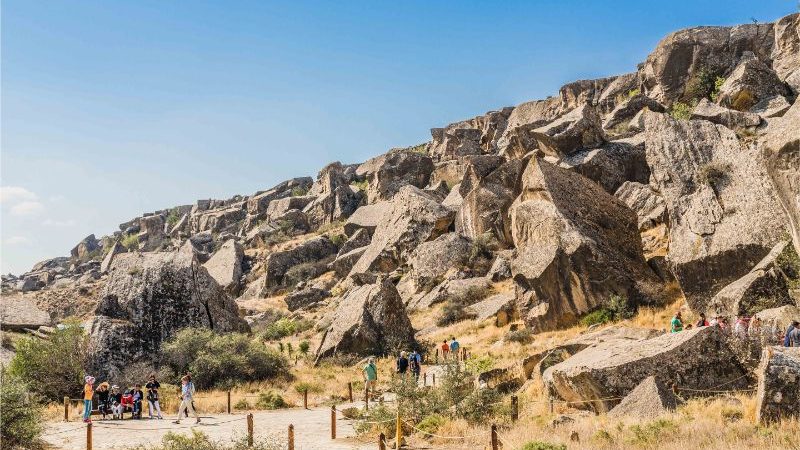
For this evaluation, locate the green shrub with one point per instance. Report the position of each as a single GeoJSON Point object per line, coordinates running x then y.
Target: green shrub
{"type": "Point", "coordinates": [221, 360]}
{"type": "Point", "coordinates": [478, 364]}
{"type": "Point", "coordinates": [620, 308]}
{"type": "Point", "coordinates": [54, 368]}
{"type": "Point", "coordinates": [483, 246]}
{"type": "Point", "coordinates": [284, 327]}
{"type": "Point", "coordinates": [596, 317]}
{"type": "Point", "coordinates": [539, 445]}
{"type": "Point", "coordinates": [523, 336]}
{"type": "Point", "coordinates": [431, 424]}
{"type": "Point", "coordinates": [200, 441]}
{"type": "Point", "coordinates": [789, 263]}
{"type": "Point", "coordinates": [378, 419]}
{"type": "Point", "coordinates": [270, 400]}
{"type": "Point", "coordinates": [173, 217]}
{"type": "Point", "coordinates": [633, 93]}
{"type": "Point", "coordinates": [304, 386]}
{"type": "Point", "coordinates": [743, 100]}
{"type": "Point", "coordinates": [718, 82]}
{"type": "Point", "coordinates": [419, 148]}
{"type": "Point", "coordinates": [652, 432]}
{"type": "Point", "coordinates": [681, 111]}
{"type": "Point", "coordinates": [304, 347]}
{"type": "Point", "coordinates": [299, 191]}
{"type": "Point", "coordinates": [130, 241]}
{"type": "Point", "coordinates": [702, 84]}
{"type": "Point", "coordinates": [20, 414]}
{"type": "Point", "coordinates": [338, 239]}
{"type": "Point", "coordinates": [362, 185]}
{"type": "Point", "coordinates": [242, 405]}
{"type": "Point", "coordinates": [478, 406]}
{"type": "Point", "coordinates": [714, 174]}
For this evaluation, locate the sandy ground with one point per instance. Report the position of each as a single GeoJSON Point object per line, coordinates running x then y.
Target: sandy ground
{"type": "Point", "coordinates": [311, 430]}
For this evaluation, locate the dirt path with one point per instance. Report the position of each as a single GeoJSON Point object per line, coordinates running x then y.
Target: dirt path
{"type": "Point", "coordinates": [311, 430]}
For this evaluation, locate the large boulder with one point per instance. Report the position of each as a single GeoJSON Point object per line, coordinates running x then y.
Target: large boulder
{"type": "Point", "coordinates": [303, 298]}
{"type": "Point", "coordinates": [731, 118]}
{"type": "Point", "coordinates": [431, 260]}
{"type": "Point", "coordinates": [312, 250]}
{"type": "Point", "coordinates": [781, 147]}
{"type": "Point", "coordinates": [453, 171]}
{"type": "Point", "coordinates": [485, 208]}
{"type": "Point", "coordinates": [645, 202]}
{"type": "Point", "coordinates": [469, 137]}
{"type": "Point", "coordinates": [147, 299]}
{"type": "Point", "coordinates": [151, 232]}
{"type": "Point", "coordinates": [331, 177]}
{"type": "Point", "coordinates": [569, 233]}
{"type": "Point", "coordinates": [502, 307]}
{"type": "Point", "coordinates": [764, 287]}
{"type": "Point", "coordinates": [600, 376]}
{"type": "Point", "coordinates": [778, 395]}
{"type": "Point", "coordinates": [578, 129]}
{"type": "Point", "coordinates": [258, 203]}
{"type": "Point", "coordinates": [413, 217]}
{"type": "Point", "coordinates": [466, 290]}
{"type": "Point", "coordinates": [724, 217]}
{"type": "Point", "coordinates": [649, 400]}
{"type": "Point", "coordinates": [367, 217]}
{"type": "Point", "coordinates": [18, 312]}
{"type": "Point", "coordinates": [225, 266]}
{"type": "Point", "coordinates": [612, 164]}
{"type": "Point", "coordinates": [627, 109]}
{"type": "Point", "coordinates": [786, 50]}
{"type": "Point", "coordinates": [369, 320]}
{"type": "Point", "coordinates": [750, 82]}
{"type": "Point", "coordinates": [333, 206]}
{"type": "Point", "coordinates": [680, 59]}
{"type": "Point", "coordinates": [87, 247]}
{"type": "Point", "coordinates": [389, 172]}
{"type": "Point", "coordinates": [115, 249]}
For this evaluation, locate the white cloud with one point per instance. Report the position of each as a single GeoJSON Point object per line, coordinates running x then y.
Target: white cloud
{"type": "Point", "coordinates": [59, 223]}
{"type": "Point", "coordinates": [17, 240]}
{"type": "Point", "coordinates": [15, 194]}
{"type": "Point", "coordinates": [27, 208]}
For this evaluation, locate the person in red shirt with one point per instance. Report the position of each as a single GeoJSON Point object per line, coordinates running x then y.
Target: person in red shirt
{"type": "Point", "coordinates": [445, 350]}
{"type": "Point", "coordinates": [127, 401]}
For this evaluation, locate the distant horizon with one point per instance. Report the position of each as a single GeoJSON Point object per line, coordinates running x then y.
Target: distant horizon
{"type": "Point", "coordinates": [113, 111]}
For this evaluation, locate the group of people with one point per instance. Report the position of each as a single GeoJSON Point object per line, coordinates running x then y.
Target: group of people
{"type": "Point", "coordinates": [450, 349]}
{"type": "Point", "coordinates": [114, 402]}
{"type": "Point", "coordinates": [743, 327]}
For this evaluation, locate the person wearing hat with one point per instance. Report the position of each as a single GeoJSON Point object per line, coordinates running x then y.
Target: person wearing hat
{"type": "Point", "coordinates": [88, 393]}
{"type": "Point", "coordinates": [187, 394]}
{"type": "Point", "coordinates": [370, 372]}
{"type": "Point", "coordinates": [103, 404]}
{"type": "Point", "coordinates": [116, 402]}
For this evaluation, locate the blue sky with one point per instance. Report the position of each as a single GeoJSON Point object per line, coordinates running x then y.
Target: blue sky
{"type": "Point", "coordinates": [111, 108]}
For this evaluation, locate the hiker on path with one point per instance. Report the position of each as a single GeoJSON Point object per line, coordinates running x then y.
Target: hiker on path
{"type": "Point", "coordinates": [794, 337]}
{"type": "Point", "coordinates": [415, 361]}
{"type": "Point", "coordinates": [454, 346]}
{"type": "Point", "coordinates": [402, 365]}
{"type": "Point", "coordinates": [152, 397]}
{"type": "Point", "coordinates": [187, 394]}
{"type": "Point", "coordinates": [676, 324]}
{"type": "Point", "coordinates": [103, 404]}
{"type": "Point", "coordinates": [445, 349]}
{"type": "Point", "coordinates": [370, 373]}
{"type": "Point", "coordinates": [88, 393]}
{"type": "Point", "coordinates": [787, 338]}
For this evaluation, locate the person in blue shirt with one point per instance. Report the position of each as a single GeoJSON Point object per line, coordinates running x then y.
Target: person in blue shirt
{"type": "Point", "coordinates": [454, 346]}
{"type": "Point", "coordinates": [415, 361]}
{"type": "Point", "coordinates": [787, 338]}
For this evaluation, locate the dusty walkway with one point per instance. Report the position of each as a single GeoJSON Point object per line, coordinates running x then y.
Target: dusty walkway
{"type": "Point", "coordinates": [311, 429]}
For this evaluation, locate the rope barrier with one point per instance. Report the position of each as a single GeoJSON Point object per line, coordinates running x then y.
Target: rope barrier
{"type": "Point", "coordinates": [113, 427]}
{"type": "Point", "coordinates": [439, 436]}
{"type": "Point", "coordinates": [65, 431]}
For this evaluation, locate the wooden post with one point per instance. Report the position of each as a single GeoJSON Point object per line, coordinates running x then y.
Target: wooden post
{"type": "Point", "coordinates": [89, 436]}
{"type": "Point", "coordinates": [66, 409]}
{"type": "Point", "coordinates": [229, 402]}
{"type": "Point", "coordinates": [291, 437]}
{"type": "Point", "coordinates": [551, 405]}
{"type": "Point", "coordinates": [494, 437]}
{"type": "Point", "coordinates": [437, 355]}
{"type": "Point", "coordinates": [380, 400]}
{"type": "Point", "coordinates": [434, 379]}
{"type": "Point", "coordinates": [514, 408]}
{"type": "Point", "coordinates": [464, 354]}
{"type": "Point", "coordinates": [366, 398]}
{"type": "Point", "coordinates": [425, 379]}
{"type": "Point", "coordinates": [382, 442]}
{"type": "Point", "coordinates": [399, 429]}
{"type": "Point", "coordinates": [250, 429]}
{"type": "Point", "coordinates": [350, 390]}
{"type": "Point", "coordinates": [305, 399]}
{"type": "Point", "coordinates": [333, 422]}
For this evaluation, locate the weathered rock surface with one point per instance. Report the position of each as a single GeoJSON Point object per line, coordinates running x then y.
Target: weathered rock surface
{"type": "Point", "coordinates": [391, 171]}
{"type": "Point", "coordinates": [579, 129]}
{"type": "Point", "coordinates": [750, 82]}
{"type": "Point", "coordinates": [151, 232]}
{"type": "Point", "coordinates": [569, 233]}
{"type": "Point", "coordinates": [367, 217]}
{"type": "Point", "coordinates": [775, 322]}
{"type": "Point", "coordinates": [612, 164]}
{"type": "Point", "coordinates": [148, 298]}
{"type": "Point", "coordinates": [369, 320]}
{"type": "Point", "coordinates": [645, 202]}
{"type": "Point", "coordinates": [731, 118]}
{"type": "Point", "coordinates": [225, 266]}
{"type": "Point", "coordinates": [649, 400]}
{"type": "Point", "coordinates": [724, 217]}
{"type": "Point", "coordinates": [278, 263]}
{"type": "Point", "coordinates": [431, 260]}
{"type": "Point", "coordinates": [18, 312]}
{"type": "Point", "coordinates": [305, 297]}
{"type": "Point", "coordinates": [764, 287]}
{"type": "Point", "coordinates": [333, 206]}
{"type": "Point", "coordinates": [500, 306]}
{"type": "Point", "coordinates": [414, 217]}
{"type": "Point", "coordinates": [359, 239]}
{"type": "Point", "coordinates": [627, 109]}
{"type": "Point", "coordinates": [778, 395]}
{"type": "Point", "coordinates": [344, 263]}
{"type": "Point", "coordinates": [613, 370]}
{"type": "Point", "coordinates": [475, 289]}
{"type": "Point", "coordinates": [786, 51]}
{"type": "Point", "coordinates": [774, 106]}
{"type": "Point", "coordinates": [501, 266]}
{"type": "Point", "coordinates": [85, 248]}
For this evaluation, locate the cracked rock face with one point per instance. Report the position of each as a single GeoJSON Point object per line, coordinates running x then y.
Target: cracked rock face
{"type": "Point", "coordinates": [148, 298]}
{"type": "Point", "coordinates": [723, 215]}
{"type": "Point", "coordinates": [778, 393]}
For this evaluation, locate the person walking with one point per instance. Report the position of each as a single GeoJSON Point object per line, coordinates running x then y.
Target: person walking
{"type": "Point", "coordinates": [152, 387]}
{"type": "Point", "coordinates": [676, 324]}
{"type": "Point", "coordinates": [415, 362]}
{"type": "Point", "coordinates": [454, 346]}
{"type": "Point", "coordinates": [402, 365]}
{"type": "Point", "coordinates": [445, 350]}
{"type": "Point", "coordinates": [187, 394]}
{"type": "Point", "coordinates": [88, 393]}
{"type": "Point", "coordinates": [787, 338]}
{"type": "Point", "coordinates": [103, 405]}
{"type": "Point", "coordinates": [370, 373]}
{"type": "Point", "coordinates": [794, 337]}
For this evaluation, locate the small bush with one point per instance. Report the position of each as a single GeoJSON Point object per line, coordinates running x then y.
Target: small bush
{"type": "Point", "coordinates": [714, 174]}
{"type": "Point", "coordinates": [743, 100]}
{"type": "Point", "coordinates": [173, 217]}
{"type": "Point", "coordinates": [299, 191]}
{"type": "Point", "coordinates": [200, 441]}
{"type": "Point", "coordinates": [20, 413]}
{"type": "Point", "coordinates": [360, 185]}
{"type": "Point", "coordinates": [242, 405]}
{"type": "Point", "coordinates": [620, 308]}
{"type": "Point", "coordinates": [431, 424]}
{"type": "Point", "coordinates": [789, 263]}
{"type": "Point", "coordinates": [478, 405]}
{"type": "Point", "coordinates": [304, 272]}
{"type": "Point", "coordinates": [284, 327]}
{"type": "Point", "coordinates": [523, 336]}
{"type": "Point", "coordinates": [701, 84]}
{"type": "Point", "coordinates": [45, 366]}
{"type": "Point", "coordinates": [681, 111]}
{"type": "Point", "coordinates": [596, 317]}
{"type": "Point", "coordinates": [454, 309]}
{"type": "Point", "coordinates": [377, 419]}
{"type": "Point", "coordinates": [653, 431]}
{"type": "Point", "coordinates": [633, 93]}
{"type": "Point", "coordinates": [718, 82]}
{"type": "Point", "coordinates": [304, 347]}
{"type": "Point", "coordinates": [478, 364]}
{"type": "Point", "coordinates": [419, 148]}
{"type": "Point", "coordinates": [130, 241]}
{"type": "Point", "coordinates": [313, 388]}
{"type": "Point", "coordinates": [539, 445]}
{"type": "Point", "coordinates": [338, 239]}
{"type": "Point", "coordinates": [270, 400]}
{"type": "Point", "coordinates": [483, 246]}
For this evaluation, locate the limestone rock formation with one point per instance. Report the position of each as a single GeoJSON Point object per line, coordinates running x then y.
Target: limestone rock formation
{"type": "Point", "coordinates": [750, 82]}
{"type": "Point", "coordinates": [778, 396]}
{"type": "Point", "coordinates": [645, 202]}
{"type": "Point", "coordinates": [333, 206]}
{"type": "Point", "coordinates": [225, 266]}
{"type": "Point", "coordinates": [723, 217]}
{"type": "Point", "coordinates": [389, 172]}
{"type": "Point", "coordinates": [431, 260]}
{"type": "Point", "coordinates": [569, 233]}
{"type": "Point", "coordinates": [579, 129]}
{"type": "Point", "coordinates": [612, 164]}
{"type": "Point", "coordinates": [598, 375]}
{"type": "Point", "coordinates": [18, 312]}
{"type": "Point", "coordinates": [303, 298]}
{"type": "Point", "coordinates": [627, 109]}
{"type": "Point", "coordinates": [649, 400]}
{"type": "Point", "coordinates": [148, 298]}
{"type": "Point", "coordinates": [367, 217]}
{"type": "Point", "coordinates": [85, 248]}
{"type": "Point", "coordinates": [109, 258]}
{"type": "Point", "coordinates": [369, 320]}
{"type": "Point", "coordinates": [501, 307]}
{"type": "Point", "coordinates": [278, 263]}
{"type": "Point", "coordinates": [786, 51]}
{"type": "Point", "coordinates": [731, 118]}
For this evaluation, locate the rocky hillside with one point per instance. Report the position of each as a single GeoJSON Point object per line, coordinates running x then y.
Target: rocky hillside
{"type": "Point", "coordinates": [684, 174]}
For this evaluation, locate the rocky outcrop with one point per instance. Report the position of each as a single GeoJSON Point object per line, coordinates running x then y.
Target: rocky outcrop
{"type": "Point", "coordinates": [387, 173]}
{"type": "Point", "coordinates": [468, 137]}
{"type": "Point", "coordinates": [750, 82]}
{"type": "Point", "coordinates": [501, 307]}
{"type": "Point", "coordinates": [649, 400]}
{"type": "Point", "coordinates": [645, 202]}
{"type": "Point", "coordinates": [612, 164]}
{"type": "Point", "coordinates": [278, 263]}
{"type": "Point", "coordinates": [367, 217]}
{"type": "Point", "coordinates": [369, 320]}
{"type": "Point", "coordinates": [775, 322]}
{"type": "Point", "coordinates": [225, 266]}
{"type": "Point", "coordinates": [464, 289]}
{"type": "Point", "coordinates": [764, 287]}
{"type": "Point", "coordinates": [597, 376]}
{"type": "Point", "coordinates": [115, 249]}
{"type": "Point", "coordinates": [344, 262]}
{"type": "Point", "coordinates": [360, 238]}
{"type": "Point", "coordinates": [569, 234]}
{"type": "Point", "coordinates": [769, 107]}
{"type": "Point", "coordinates": [781, 147]}
{"type": "Point", "coordinates": [333, 206]}
{"type": "Point", "coordinates": [778, 395]}
{"type": "Point", "coordinates": [430, 261]}
{"type": "Point", "coordinates": [304, 298]}
{"type": "Point", "coordinates": [148, 298]}
{"type": "Point", "coordinates": [723, 218]}
{"type": "Point", "coordinates": [579, 129]}
{"type": "Point", "coordinates": [414, 217]}
{"type": "Point", "coordinates": [731, 118]}
{"type": "Point", "coordinates": [151, 232]}
{"type": "Point", "coordinates": [18, 312]}
{"type": "Point", "coordinates": [627, 109]}
{"type": "Point", "coordinates": [454, 171]}
{"type": "Point", "coordinates": [786, 51]}
{"type": "Point", "coordinates": [85, 248]}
